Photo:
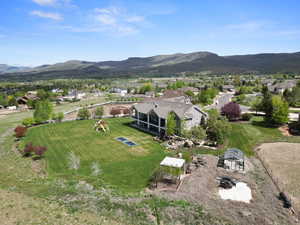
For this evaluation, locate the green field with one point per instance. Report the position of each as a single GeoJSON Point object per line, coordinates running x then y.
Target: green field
{"type": "Point", "coordinates": [125, 168]}
{"type": "Point", "coordinates": [246, 136]}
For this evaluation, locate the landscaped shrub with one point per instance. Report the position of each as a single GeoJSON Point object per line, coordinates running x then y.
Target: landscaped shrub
{"type": "Point", "coordinates": [83, 114]}
{"type": "Point", "coordinates": [28, 122]}
{"type": "Point", "coordinates": [231, 110]}
{"type": "Point", "coordinates": [195, 133]}
{"type": "Point", "coordinates": [99, 112]}
{"type": "Point", "coordinates": [58, 117]}
{"type": "Point", "coordinates": [20, 131]}
{"type": "Point", "coordinates": [246, 116]}
{"type": "Point", "coordinates": [38, 152]}
{"type": "Point", "coordinates": [28, 150]}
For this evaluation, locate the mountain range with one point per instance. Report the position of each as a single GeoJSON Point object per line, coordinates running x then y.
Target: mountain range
{"type": "Point", "coordinates": [12, 69]}
{"type": "Point", "coordinates": [160, 65]}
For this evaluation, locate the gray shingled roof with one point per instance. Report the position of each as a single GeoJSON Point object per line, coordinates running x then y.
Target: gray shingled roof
{"type": "Point", "coordinates": [283, 85]}
{"type": "Point", "coordinates": [163, 108]}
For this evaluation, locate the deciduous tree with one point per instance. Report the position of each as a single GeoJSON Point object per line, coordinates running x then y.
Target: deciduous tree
{"type": "Point", "coordinates": [43, 111]}
{"type": "Point", "coordinates": [171, 124]}
{"type": "Point", "coordinates": [231, 110]}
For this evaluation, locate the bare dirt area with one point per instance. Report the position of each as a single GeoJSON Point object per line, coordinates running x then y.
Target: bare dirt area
{"type": "Point", "coordinates": [202, 187]}
{"type": "Point", "coordinates": [283, 161]}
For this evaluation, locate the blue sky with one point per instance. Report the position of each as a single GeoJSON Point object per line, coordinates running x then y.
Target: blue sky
{"type": "Point", "coordinates": [35, 32]}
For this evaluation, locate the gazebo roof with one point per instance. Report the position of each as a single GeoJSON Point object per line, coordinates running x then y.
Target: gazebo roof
{"type": "Point", "coordinates": [172, 162]}
{"type": "Point", "coordinates": [234, 153]}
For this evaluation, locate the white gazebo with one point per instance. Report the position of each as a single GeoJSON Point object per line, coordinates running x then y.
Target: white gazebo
{"type": "Point", "coordinates": [173, 166]}
{"type": "Point", "coordinates": [173, 162]}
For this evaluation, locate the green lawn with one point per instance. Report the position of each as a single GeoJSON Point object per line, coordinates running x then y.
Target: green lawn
{"type": "Point", "coordinates": [126, 168]}
{"type": "Point", "coordinates": [246, 136]}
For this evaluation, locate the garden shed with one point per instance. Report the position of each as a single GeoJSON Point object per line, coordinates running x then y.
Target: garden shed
{"type": "Point", "coordinates": [234, 159]}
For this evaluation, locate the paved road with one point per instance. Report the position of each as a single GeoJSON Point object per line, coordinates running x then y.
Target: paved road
{"type": "Point", "coordinates": [223, 99]}
{"type": "Point", "coordinates": [220, 101]}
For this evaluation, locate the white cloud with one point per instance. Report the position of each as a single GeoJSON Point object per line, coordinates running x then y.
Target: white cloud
{"type": "Point", "coordinates": [134, 19]}
{"type": "Point", "coordinates": [117, 20]}
{"type": "Point", "coordinates": [111, 20]}
{"type": "Point", "coordinates": [55, 3]}
{"type": "Point", "coordinates": [256, 29]}
{"type": "Point", "coordinates": [251, 26]}
{"type": "Point", "coordinates": [106, 19]}
{"type": "Point", "coordinates": [110, 10]}
{"type": "Point", "coordinates": [47, 15]}
{"type": "Point", "coordinates": [45, 2]}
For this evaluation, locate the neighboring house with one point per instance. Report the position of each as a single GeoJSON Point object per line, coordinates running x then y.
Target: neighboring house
{"type": "Point", "coordinates": [57, 91]}
{"type": "Point", "coordinates": [171, 95]}
{"type": "Point", "coordinates": [161, 85]}
{"type": "Point", "coordinates": [192, 89]}
{"type": "Point", "coordinates": [80, 95]}
{"type": "Point", "coordinates": [98, 93]}
{"type": "Point", "coordinates": [33, 93]}
{"type": "Point", "coordinates": [201, 87]}
{"type": "Point", "coordinates": [22, 101]}
{"type": "Point", "coordinates": [12, 107]}
{"type": "Point", "coordinates": [268, 82]}
{"type": "Point", "coordinates": [279, 88]}
{"type": "Point", "coordinates": [73, 95]}
{"type": "Point", "coordinates": [121, 92]}
{"type": "Point", "coordinates": [228, 88]}
{"type": "Point", "coordinates": [234, 159]}
{"type": "Point", "coordinates": [150, 94]}
{"type": "Point", "coordinates": [152, 116]}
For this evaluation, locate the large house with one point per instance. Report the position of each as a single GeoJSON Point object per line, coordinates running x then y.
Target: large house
{"type": "Point", "coordinates": [279, 88]}
{"type": "Point", "coordinates": [152, 116]}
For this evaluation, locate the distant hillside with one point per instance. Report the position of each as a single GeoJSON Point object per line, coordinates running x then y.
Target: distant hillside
{"type": "Point", "coordinates": [164, 65]}
{"type": "Point", "coordinates": [11, 69]}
